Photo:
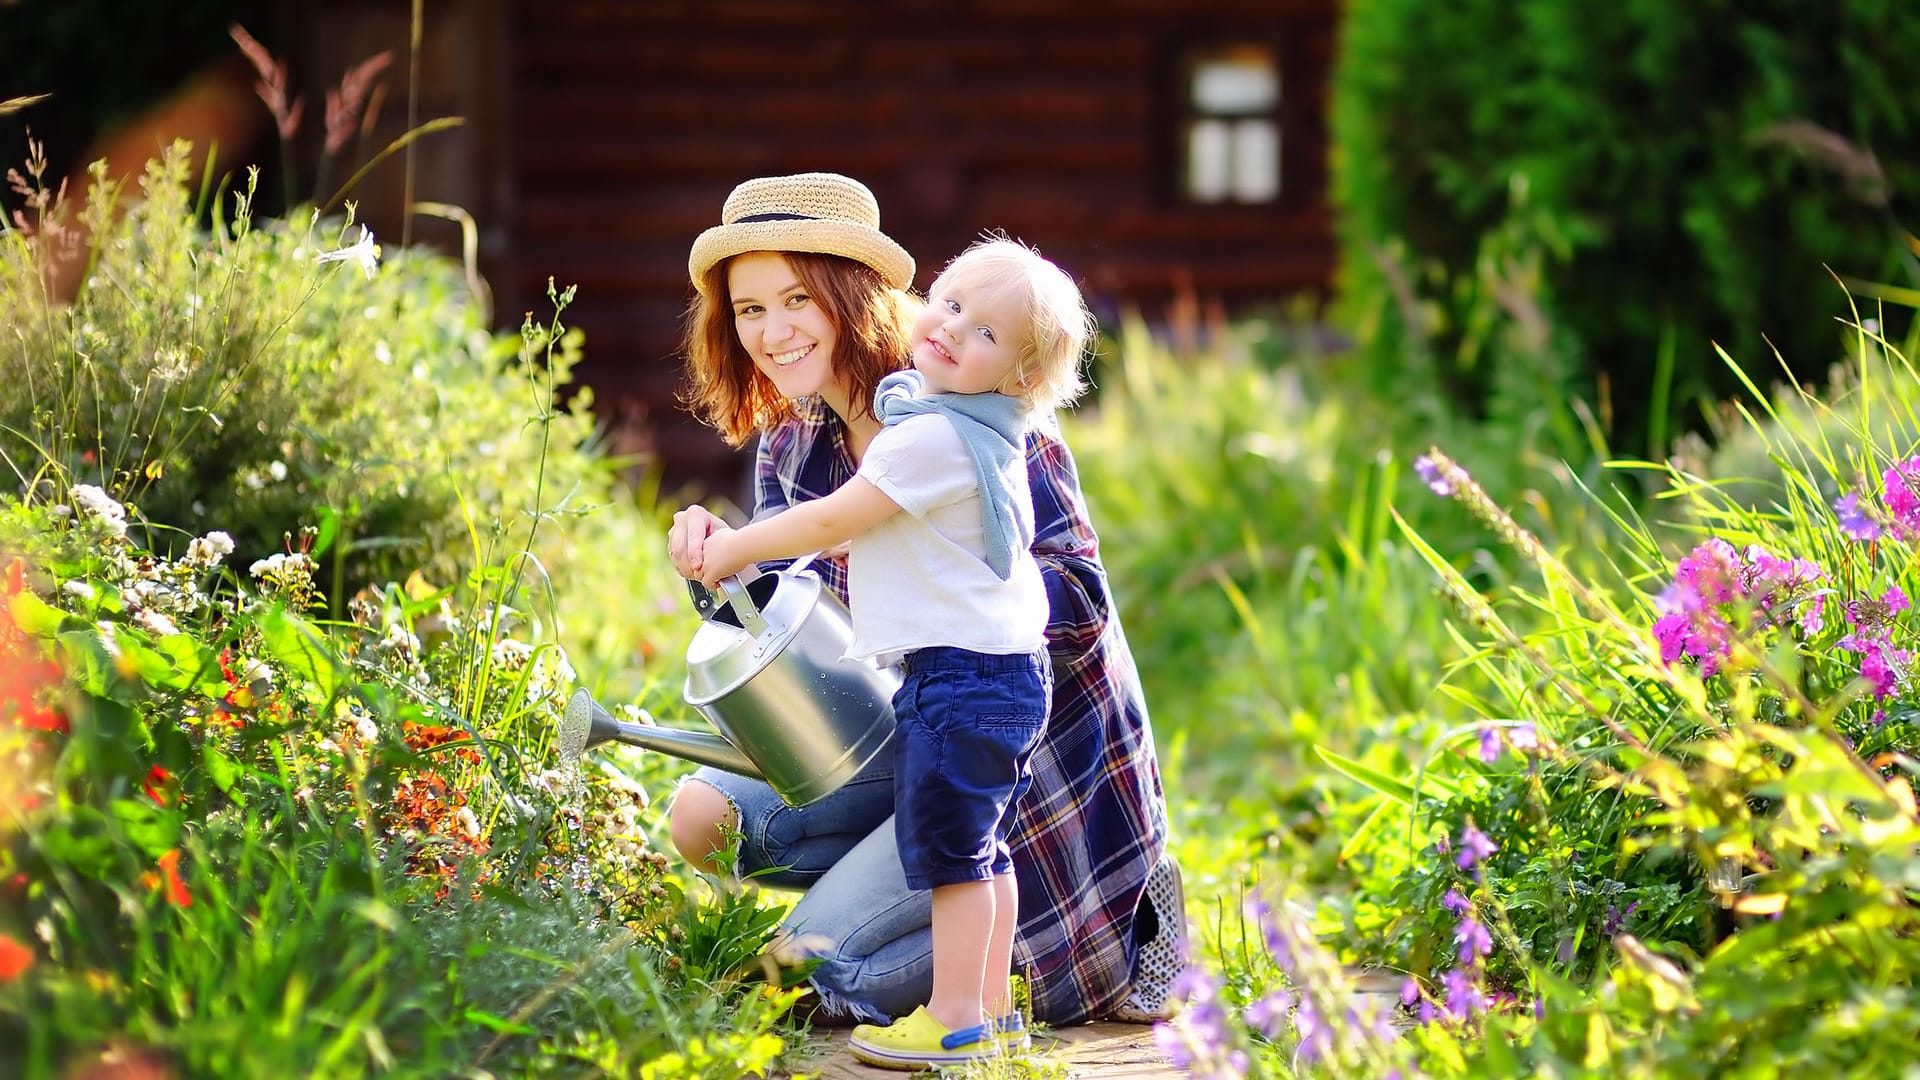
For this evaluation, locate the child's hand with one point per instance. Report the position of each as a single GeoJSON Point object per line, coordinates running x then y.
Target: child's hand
{"type": "Point", "coordinates": [716, 558]}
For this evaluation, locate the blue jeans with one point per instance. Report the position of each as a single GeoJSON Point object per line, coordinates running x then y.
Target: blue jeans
{"type": "Point", "coordinates": [968, 723]}
{"type": "Point", "coordinates": [877, 932]}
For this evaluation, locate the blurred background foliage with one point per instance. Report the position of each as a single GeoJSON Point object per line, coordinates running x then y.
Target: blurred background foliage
{"type": "Point", "coordinates": [1653, 182]}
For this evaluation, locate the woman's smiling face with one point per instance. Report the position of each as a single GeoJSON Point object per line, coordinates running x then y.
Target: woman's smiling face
{"type": "Point", "coordinates": [780, 325]}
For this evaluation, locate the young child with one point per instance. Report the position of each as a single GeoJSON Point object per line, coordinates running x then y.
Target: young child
{"type": "Point", "coordinates": [950, 590]}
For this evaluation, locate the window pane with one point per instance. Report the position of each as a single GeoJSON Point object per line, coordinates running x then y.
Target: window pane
{"type": "Point", "coordinates": [1239, 81]}
{"type": "Point", "coordinates": [1256, 161]}
{"type": "Point", "coordinates": [1209, 160]}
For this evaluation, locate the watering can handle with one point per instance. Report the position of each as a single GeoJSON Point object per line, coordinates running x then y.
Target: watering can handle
{"type": "Point", "coordinates": [706, 603]}
{"type": "Point", "coordinates": [750, 617]}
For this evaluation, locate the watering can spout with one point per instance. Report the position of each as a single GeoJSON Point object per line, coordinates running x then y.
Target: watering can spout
{"type": "Point", "coordinates": [587, 725]}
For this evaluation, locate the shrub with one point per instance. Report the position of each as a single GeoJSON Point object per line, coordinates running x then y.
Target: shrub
{"type": "Point", "coordinates": [1675, 176]}
{"type": "Point", "coordinates": [222, 377]}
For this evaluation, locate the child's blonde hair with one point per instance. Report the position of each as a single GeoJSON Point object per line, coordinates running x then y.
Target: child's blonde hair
{"type": "Point", "coordinates": [1056, 322]}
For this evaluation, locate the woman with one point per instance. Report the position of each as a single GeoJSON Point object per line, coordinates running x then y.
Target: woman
{"type": "Point", "coordinates": [800, 309]}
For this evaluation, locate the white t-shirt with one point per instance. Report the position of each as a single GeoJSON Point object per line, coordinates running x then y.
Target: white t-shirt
{"type": "Point", "coordinates": [921, 578]}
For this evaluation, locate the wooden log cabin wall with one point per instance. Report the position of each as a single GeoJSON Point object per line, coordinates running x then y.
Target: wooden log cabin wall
{"type": "Point", "coordinates": [1155, 149]}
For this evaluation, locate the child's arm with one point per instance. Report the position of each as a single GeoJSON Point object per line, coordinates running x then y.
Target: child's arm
{"type": "Point", "coordinates": [821, 523]}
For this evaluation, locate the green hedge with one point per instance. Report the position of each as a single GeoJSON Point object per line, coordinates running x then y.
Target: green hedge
{"type": "Point", "coordinates": [1623, 168]}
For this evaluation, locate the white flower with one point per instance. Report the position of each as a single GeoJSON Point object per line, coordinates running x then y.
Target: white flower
{"type": "Point", "coordinates": [277, 470]}
{"type": "Point", "coordinates": [363, 251]}
{"type": "Point", "coordinates": [78, 588]}
{"type": "Point", "coordinates": [511, 654]}
{"type": "Point", "coordinates": [154, 623]}
{"type": "Point", "coordinates": [469, 824]}
{"type": "Point", "coordinates": [399, 639]}
{"type": "Point", "coordinates": [369, 731]}
{"type": "Point", "coordinates": [208, 550]}
{"type": "Point", "coordinates": [100, 505]}
{"type": "Point", "coordinates": [280, 563]}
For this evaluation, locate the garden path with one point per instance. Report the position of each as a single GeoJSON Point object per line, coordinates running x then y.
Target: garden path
{"type": "Point", "coordinates": [1104, 1051]}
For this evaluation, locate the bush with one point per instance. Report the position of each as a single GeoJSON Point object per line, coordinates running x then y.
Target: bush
{"type": "Point", "coordinates": [224, 378]}
{"type": "Point", "coordinates": [1675, 176]}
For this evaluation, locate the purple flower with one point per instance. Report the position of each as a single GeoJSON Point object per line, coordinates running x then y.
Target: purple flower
{"type": "Point", "coordinates": [1429, 471]}
{"type": "Point", "coordinates": [1895, 600]}
{"type": "Point", "coordinates": [1409, 992]}
{"type": "Point", "coordinates": [1524, 737]}
{"type": "Point", "coordinates": [1489, 744]}
{"type": "Point", "coordinates": [1172, 1045]}
{"type": "Point", "coordinates": [1455, 902]}
{"type": "Point", "coordinates": [1813, 615]}
{"type": "Point", "coordinates": [1474, 848]}
{"type": "Point", "coordinates": [1275, 934]}
{"type": "Point", "coordinates": [1876, 670]}
{"type": "Point", "coordinates": [1711, 570]}
{"type": "Point", "coordinates": [1267, 1013]}
{"type": "Point", "coordinates": [1316, 1035]}
{"type": "Point", "coordinates": [1854, 522]}
{"type": "Point", "coordinates": [1474, 940]}
{"type": "Point", "coordinates": [1897, 491]}
{"type": "Point", "coordinates": [1462, 998]}
{"type": "Point", "coordinates": [1617, 918]}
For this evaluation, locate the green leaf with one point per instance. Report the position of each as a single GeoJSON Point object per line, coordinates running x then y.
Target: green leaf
{"type": "Point", "coordinates": [1372, 823]}
{"type": "Point", "coordinates": [301, 650]}
{"type": "Point", "coordinates": [221, 769]}
{"type": "Point", "coordinates": [488, 1020]}
{"type": "Point", "coordinates": [35, 616]}
{"type": "Point", "coordinates": [1398, 790]}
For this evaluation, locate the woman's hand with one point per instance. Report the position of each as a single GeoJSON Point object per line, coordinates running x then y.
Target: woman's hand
{"type": "Point", "coordinates": [687, 539]}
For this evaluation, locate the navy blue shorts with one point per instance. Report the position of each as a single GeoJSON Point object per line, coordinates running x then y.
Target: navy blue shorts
{"type": "Point", "coordinates": [968, 724]}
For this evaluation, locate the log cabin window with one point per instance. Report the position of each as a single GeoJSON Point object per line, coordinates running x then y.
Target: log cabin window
{"type": "Point", "coordinates": [1232, 126]}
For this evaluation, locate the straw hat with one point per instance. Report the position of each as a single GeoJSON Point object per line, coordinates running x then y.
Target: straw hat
{"type": "Point", "coordinates": [819, 212]}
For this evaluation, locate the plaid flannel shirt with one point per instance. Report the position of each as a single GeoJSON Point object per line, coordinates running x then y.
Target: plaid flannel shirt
{"type": "Point", "coordinates": [1094, 821]}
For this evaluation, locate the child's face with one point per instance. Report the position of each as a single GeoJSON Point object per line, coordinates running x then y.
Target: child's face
{"type": "Point", "coordinates": [783, 328]}
{"type": "Point", "coordinates": [969, 338]}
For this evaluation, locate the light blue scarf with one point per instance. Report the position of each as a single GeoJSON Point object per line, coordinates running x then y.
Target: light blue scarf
{"type": "Point", "coordinates": [994, 428]}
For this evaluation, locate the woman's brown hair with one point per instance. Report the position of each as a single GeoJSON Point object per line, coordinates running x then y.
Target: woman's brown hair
{"type": "Point", "coordinates": [873, 324]}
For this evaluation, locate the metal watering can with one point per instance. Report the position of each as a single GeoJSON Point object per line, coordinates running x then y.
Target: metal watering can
{"type": "Point", "coordinates": [766, 668]}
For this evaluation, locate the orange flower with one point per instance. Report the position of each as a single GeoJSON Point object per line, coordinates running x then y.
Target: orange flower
{"type": "Point", "coordinates": [15, 959]}
{"type": "Point", "coordinates": [177, 893]}
{"type": "Point", "coordinates": [16, 577]}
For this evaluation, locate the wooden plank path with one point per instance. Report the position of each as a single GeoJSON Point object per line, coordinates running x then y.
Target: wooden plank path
{"type": "Point", "coordinates": [1103, 1051]}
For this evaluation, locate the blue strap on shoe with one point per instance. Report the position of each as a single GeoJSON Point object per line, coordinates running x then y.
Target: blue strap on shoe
{"type": "Point", "coordinates": [1010, 1022]}
{"type": "Point", "coordinates": [966, 1037]}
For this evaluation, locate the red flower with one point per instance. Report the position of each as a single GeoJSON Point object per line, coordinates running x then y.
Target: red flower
{"type": "Point", "coordinates": [16, 577]}
{"type": "Point", "coordinates": [156, 785]}
{"type": "Point", "coordinates": [24, 684]}
{"type": "Point", "coordinates": [15, 959]}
